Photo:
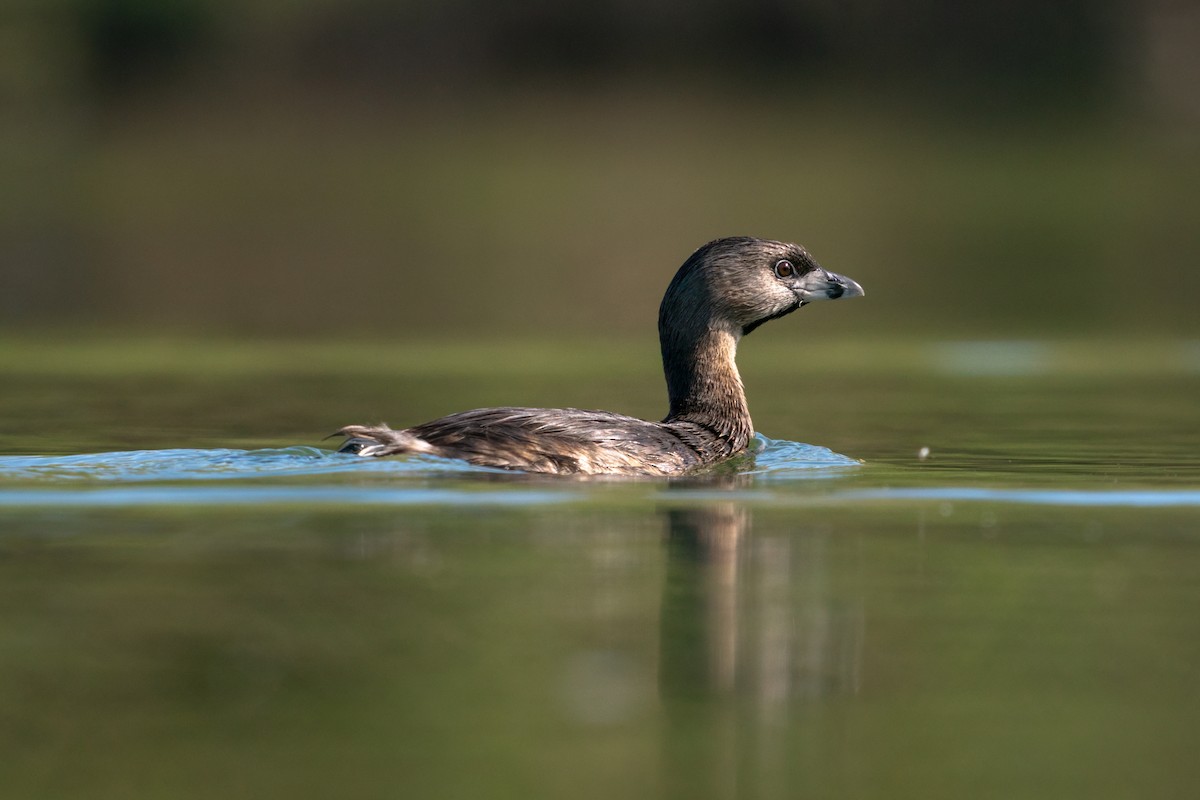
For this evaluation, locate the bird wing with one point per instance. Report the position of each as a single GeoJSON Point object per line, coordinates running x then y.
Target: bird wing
{"type": "Point", "coordinates": [558, 440]}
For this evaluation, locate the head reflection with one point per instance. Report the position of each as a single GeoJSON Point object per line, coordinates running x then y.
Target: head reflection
{"type": "Point", "coordinates": [752, 634]}
{"type": "Point", "coordinates": [756, 614]}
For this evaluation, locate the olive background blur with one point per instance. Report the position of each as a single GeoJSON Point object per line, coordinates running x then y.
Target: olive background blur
{"type": "Point", "coordinates": [352, 167]}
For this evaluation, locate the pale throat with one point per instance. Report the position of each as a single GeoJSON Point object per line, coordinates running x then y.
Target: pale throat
{"type": "Point", "coordinates": [703, 379]}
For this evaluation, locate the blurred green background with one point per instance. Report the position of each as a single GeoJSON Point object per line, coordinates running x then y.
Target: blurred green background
{"type": "Point", "coordinates": [1003, 168]}
{"type": "Point", "coordinates": [240, 225]}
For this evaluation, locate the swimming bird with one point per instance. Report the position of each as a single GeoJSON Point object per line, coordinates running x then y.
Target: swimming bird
{"type": "Point", "coordinates": [725, 290]}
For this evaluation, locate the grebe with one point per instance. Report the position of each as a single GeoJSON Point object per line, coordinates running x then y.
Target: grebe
{"type": "Point", "coordinates": [722, 292]}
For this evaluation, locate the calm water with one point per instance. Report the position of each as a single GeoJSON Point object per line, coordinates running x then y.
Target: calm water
{"type": "Point", "coordinates": [198, 599]}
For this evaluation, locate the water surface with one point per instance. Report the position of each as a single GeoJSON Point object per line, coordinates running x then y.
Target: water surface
{"type": "Point", "coordinates": [200, 598]}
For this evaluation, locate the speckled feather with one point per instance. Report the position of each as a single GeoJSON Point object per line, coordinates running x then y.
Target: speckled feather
{"type": "Point", "coordinates": [562, 441]}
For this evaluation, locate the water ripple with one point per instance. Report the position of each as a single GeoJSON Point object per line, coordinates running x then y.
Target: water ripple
{"type": "Point", "coordinates": [780, 474]}
{"type": "Point", "coordinates": [781, 458]}
{"type": "Point", "coordinates": [219, 464]}
{"type": "Point", "coordinates": [771, 456]}
{"type": "Point", "coordinates": [126, 496]}
{"type": "Point", "coordinates": [1108, 498]}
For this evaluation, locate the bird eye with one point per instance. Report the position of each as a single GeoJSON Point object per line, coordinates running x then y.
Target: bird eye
{"type": "Point", "coordinates": [784, 269]}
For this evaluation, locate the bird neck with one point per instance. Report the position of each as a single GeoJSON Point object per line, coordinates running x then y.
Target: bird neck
{"type": "Point", "coordinates": [704, 385]}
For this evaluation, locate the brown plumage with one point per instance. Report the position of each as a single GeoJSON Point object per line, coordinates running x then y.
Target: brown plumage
{"type": "Point", "coordinates": [725, 290]}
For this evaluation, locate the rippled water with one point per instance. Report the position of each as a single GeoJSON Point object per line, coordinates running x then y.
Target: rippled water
{"type": "Point", "coordinates": [771, 458]}
{"type": "Point", "coordinates": [992, 594]}
{"type": "Point", "coordinates": [185, 476]}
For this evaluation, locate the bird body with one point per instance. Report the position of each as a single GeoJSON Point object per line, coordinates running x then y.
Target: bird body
{"type": "Point", "coordinates": [553, 440]}
{"type": "Point", "coordinates": [725, 290]}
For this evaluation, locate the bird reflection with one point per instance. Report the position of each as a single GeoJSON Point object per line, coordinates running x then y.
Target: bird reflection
{"type": "Point", "coordinates": [751, 632]}
{"type": "Point", "coordinates": [699, 621]}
